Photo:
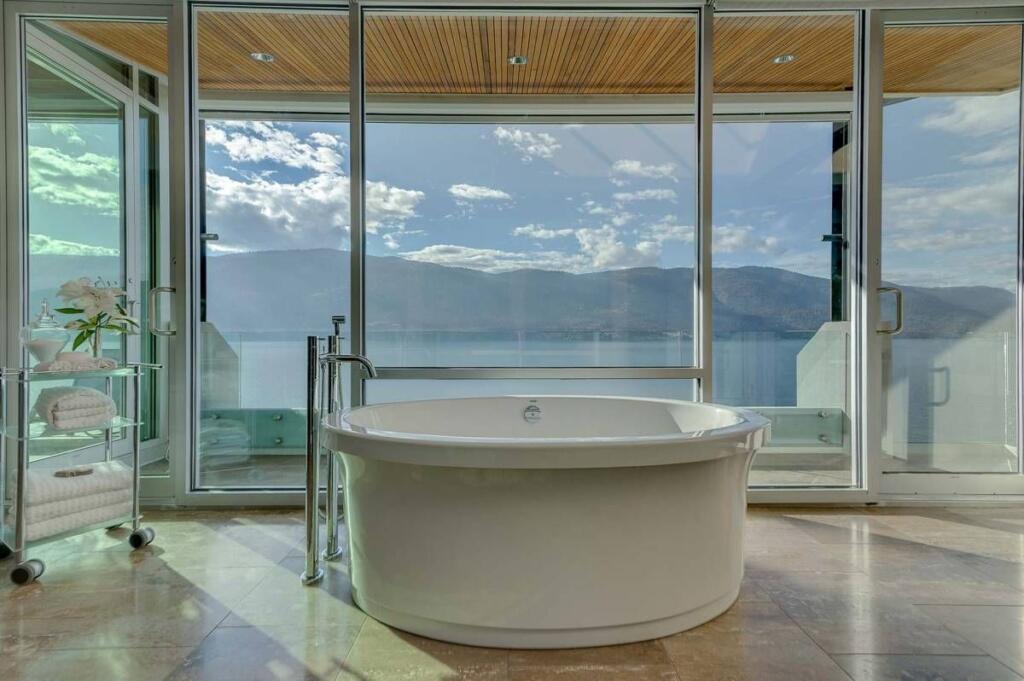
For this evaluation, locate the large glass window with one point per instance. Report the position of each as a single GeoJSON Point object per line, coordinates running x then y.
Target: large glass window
{"type": "Point", "coordinates": [510, 223]}
{"type": "Point", "coordinates": [274, 246]}
{"type": "Point", "coordinates": [950, 231]}
{"type": "Point", "coordinates": [546, 244]}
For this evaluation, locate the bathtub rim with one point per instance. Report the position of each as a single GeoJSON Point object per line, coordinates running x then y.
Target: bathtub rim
{"type": "Point", "coordinates": [750, 433]}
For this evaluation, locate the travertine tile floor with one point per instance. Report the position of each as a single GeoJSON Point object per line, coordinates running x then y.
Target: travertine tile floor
{"type": "Point", "coordinates": [863, 594]}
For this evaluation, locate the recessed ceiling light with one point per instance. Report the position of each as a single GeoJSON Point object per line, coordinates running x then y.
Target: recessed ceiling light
{"type": "Point", "coordinates": [784, 58]}
{"type": "Point", "coordinates": [264, 57]}
{"type": "Point", "coordinates": [517, 60]}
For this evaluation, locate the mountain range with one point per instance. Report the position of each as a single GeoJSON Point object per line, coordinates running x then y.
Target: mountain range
{"type": "Point", "coordinates": [298, 290]}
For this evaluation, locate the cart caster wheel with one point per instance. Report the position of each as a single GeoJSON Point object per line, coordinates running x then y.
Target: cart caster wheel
{"type": "Point", "coordinates": [141, 537]}
{"type": "Point", "coordinates": [28, 572]}
{"type": "Point", "coordinates": [5, 551]}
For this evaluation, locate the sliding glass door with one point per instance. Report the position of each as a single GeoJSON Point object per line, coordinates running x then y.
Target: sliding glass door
{"type": "Point", "coordinates": [950, 235]}
{"type": "Point", "coordinates": [272, 242]}
{"type": "Point", "coordinates": [781, 287]}
{"type": "Point", "coordinates": [94, 199]}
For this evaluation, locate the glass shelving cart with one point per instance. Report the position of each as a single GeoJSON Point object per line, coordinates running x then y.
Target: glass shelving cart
{"type": "Point", "coordinates": [19, 427]}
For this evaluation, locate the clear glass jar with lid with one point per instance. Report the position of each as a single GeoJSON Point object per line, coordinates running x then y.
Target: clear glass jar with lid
{"type": "Point", "coordinates": [44, 337]}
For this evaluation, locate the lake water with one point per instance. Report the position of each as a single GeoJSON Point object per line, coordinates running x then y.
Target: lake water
{"type": "Point", "coordinates": [944, 389]}
{"type": "Point", "coordinates": [271, 370]}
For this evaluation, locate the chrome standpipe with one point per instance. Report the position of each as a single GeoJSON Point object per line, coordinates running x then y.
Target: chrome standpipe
{"type": "Point", "coordinates": [334, 403]}
{"type": "Point", "coordinates": [313, 572]}
{"type": "Point", "coordinates": [323, 397]}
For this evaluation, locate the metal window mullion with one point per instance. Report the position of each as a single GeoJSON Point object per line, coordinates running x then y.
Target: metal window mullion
{"type": "Point", "coordinates": [501, 373]}
{"type": "Point", "coordinates": [1020, 264]}
{"type": "Point", "coordinates": [357, 201]}
{"type": "Point", "coordinates": [704, 78]}
{"type": "Point", "coordinates": [183, 355]}
{"type": "Point", "coordinates": [865, 366]}
{"type": "Point", "coordinates": [130, 251]}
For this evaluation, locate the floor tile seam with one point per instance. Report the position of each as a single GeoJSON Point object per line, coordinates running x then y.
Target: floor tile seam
{"type": "Point", "coordinates": [982, 656]}
{"type": "Point", "coordinates": [805, 633]}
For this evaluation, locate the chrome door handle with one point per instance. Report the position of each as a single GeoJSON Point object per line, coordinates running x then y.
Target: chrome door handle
{"type": "Point", "coordinates": [151, 322]}
{"type": "Point", "coordinates": [899, 310]}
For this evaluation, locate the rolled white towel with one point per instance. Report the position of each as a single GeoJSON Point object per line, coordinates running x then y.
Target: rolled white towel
{"type": "Point", "coordinates": [52, 401]}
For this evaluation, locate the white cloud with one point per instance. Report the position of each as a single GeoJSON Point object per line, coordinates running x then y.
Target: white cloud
{"type": "Point", "coordinates": [325, 139]}
{"type": "Point", "coordinates": [638, 169]}
{"type": "Point", "coordinates": [947, 240]}
{"type": "Point", "coordinates": [979, 115]}
{"type": "Point", "coordinates": [530, 145]}
{"type": "Point", "coordinates": [472, 192]}
{"type": "Point", "coordinates": [541, 232]}
{"type": "Point", "coordinates": [978, 206]}
{"type": "Point", "coordinates": [40, 244]}
{"type": "Point", "coordinates": [605, 251]}
{"type": "Point", "coordinates": [731, 238]}
{"type": "Point", "coordinates": [493, 260]}
{"type": "Point", "coordinates": [621, 218]}
{"type": "Point", "coordinates": [387, 206]}
{"type": "Point", "coordinates": [594, 208]}
{"type": "Point", "coordinates": [645, 195]}
{"type": "Point", "coordinates": [88, 181]}
{"type": "Point", "coordinates": [257, 141]}
{"type": "Point", "coordinates": [956, 228]}
{"type": "Point", "coordinates": [1005, 152]}
{"type": "Point", "coordinates": [260, 212]}
{"type": "Point", "coordinates": [600, 248]}
{"type": "Point", "coordinates": [952, 229]}
{"type": "Point", "coordinates": [252, 210]}
{"type": "Point", "coordinates": [68, 131]}
{"type": "Point", "coordinates": [668, 229]}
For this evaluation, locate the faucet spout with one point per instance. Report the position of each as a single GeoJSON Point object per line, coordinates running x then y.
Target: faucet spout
{"type": "Point", "coordinates": [340, 358]}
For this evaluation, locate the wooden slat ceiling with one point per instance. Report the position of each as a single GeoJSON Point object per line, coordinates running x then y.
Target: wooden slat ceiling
{"type": "Point", "coordinates": [582, 55]}
{"type": "Point", "coordinates": [310, 51]}
{"type": "Point", "coordinates": [467, 54]}
{"type": "Point", "coordinates": [949, 59]}
{"type": "Point", "coordinates": [142, 42]}
{"type": "Point", "coordinates": [746, 45]}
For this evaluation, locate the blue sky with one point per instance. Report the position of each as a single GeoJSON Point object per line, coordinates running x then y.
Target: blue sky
{"type": "Point", "coordinates": [502, 196]}
{"type": "Point", "coordinates": [506, 195]}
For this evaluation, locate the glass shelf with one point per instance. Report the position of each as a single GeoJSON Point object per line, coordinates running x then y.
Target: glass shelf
{"type": "Point", "coordinates": [33, 376]}
{"type": "Point", "coordinates": [40, 430]}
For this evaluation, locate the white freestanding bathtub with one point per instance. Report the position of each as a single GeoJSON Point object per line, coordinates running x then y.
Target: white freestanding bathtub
{"type": "Point", "coordinates": [541, 522]}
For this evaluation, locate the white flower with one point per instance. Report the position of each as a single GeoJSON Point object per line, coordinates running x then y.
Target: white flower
{"type": "Point", "coordinates": [93, 300]}
{"type": "Point", "coordinates": [70, 290]}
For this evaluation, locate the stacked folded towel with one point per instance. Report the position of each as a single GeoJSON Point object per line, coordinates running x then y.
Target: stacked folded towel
{"type": "Point", "coordinates": [54, 505]}
{"type": "Point", "coordinates": [75, 408]}
{"type": "Point", "coordinates": [76, 361]}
